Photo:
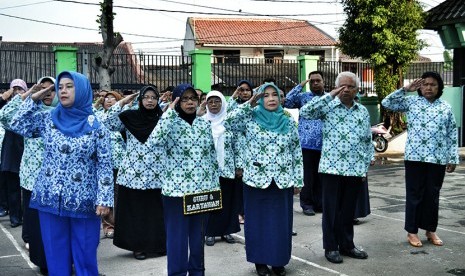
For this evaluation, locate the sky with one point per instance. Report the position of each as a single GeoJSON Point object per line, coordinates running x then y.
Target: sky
{"type": "Point", "coordinates": [158, 26]}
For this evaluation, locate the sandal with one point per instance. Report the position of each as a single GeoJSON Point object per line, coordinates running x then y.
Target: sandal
{"type": "Point", "coordinates": [433, 238]}
{"type": "Point", "coordinates": [414, 240]}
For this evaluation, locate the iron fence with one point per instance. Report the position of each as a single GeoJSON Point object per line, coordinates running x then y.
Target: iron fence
{"type": "Point", "coordinates": [226, 76]}
{"type": "Point", "coordinates": [27, 65]}
{"type": "Point", "coordinates": [365, 72]}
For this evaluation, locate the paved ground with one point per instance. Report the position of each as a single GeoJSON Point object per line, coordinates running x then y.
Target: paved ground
{"type": "Point", "coordinates": [381, 234]}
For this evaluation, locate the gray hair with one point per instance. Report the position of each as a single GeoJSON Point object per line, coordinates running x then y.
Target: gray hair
{"type": "Point", "coordinates": [347, 74]}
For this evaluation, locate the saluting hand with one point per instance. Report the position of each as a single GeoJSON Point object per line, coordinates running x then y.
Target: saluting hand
{"type": "Point", "coordinates": [128, 99]}
{"type": "Point", "coordinates": [414, 85]}
{"type": "Point", "coordinates": [40, 95]}
{"type": "Point", "coordinates": [173, 104]}
{"type": "Point", "coordinates": [7, 94]}
{"type": "Point", "coordinates": [254, 99]}
{"type": "Point", "coordinates": [202, 108]}
{"type": "Point", "coordinates": [35, 88]}
{"type": "Point", "coordinates": [336, 91]}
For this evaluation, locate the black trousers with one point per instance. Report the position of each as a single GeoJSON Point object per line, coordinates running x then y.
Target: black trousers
{"type": "Point", "coordinates": [339, 200]}
{"type": "Point", "coordinates": [423, 182]}
{"type": "Point", "coordinates": [310, 195]}
{"type": "Point", "coordinates": [11, 195]}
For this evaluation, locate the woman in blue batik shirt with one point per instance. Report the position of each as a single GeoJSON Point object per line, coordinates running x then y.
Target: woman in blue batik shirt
{"type": "Point", "coordinates": [74, 187]}
{"type": "Point", "coordinates": [190, 167]}
{"type": "Point", "coordinates": [273, 167]}
{"type": "Point", "coordinates": [430, 152]}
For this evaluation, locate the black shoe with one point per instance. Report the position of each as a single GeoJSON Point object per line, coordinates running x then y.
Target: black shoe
{"type": "Point", "coordinates": [309, 211]}
{"type": "Point", "coordinates": [262, 270]}
{"type": "Point", "coordinates": [3, 213]}
{"type": "Point", "coordinates": [228, 238]}
{"type": "Point", "coordinates": [15, 224]}
{"type": "Point", "coordinates": [279, 270]}
{"type": "Point", "coordinates": [354, 253]}
{"type": "Point", "coordinates": [210, 241]}
{"type": "Point", "coordinates": [333, 256]}
{"type": "Point", "coordinates": [294, 233]}
{"type": "Point", "coordinates": [140, 256]}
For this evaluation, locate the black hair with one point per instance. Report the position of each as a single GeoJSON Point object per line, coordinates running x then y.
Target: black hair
{"type": "Point", "coordinates": [438, 78]}
{"type": "Point", "coordinates": [169, 88]}
{"type": "Point", "coordinates": [315, 73]}
{"type": "Point", "coordinates": [270, 79]}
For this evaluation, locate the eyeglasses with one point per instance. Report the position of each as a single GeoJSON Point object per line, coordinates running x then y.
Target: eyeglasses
{"type": "Point", "coordinates": [186, 99]}
{"type": "Point", "coordinates": [107, 99]}
{"type": "Point", "coordinates": [153, 98]}
{"type": "Point", "coordinates": [217, 102]}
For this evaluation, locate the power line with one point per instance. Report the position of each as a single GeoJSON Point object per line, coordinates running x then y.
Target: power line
{"type": "Point", "coordinates": [166, 39]}
{"type": "Point", "coordinates": [25, 5]}
{"type": "Point", "coordinates": [199, 12]}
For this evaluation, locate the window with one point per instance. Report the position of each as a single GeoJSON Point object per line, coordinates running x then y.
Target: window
{"type": "Point", "coordinates": [227, 56]}
{"type": "Point", "coordinates": [273, 56]}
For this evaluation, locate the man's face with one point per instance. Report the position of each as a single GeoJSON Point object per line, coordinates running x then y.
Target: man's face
{"type": "Point", "coordinates": [350, 90]}
{"type": "Point", "coordinates": [317, 85]}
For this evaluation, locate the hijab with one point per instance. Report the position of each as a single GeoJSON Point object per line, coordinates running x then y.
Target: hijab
{"type": "Point", "coordinates": [217, 124]}
{"type": "Point", "coordinates": [141, 122]}
{"type": "Point", "coordinates": [276, 120]}
{"type": "Point", "coordinates": [78, 119]}
{"type": "Point", "coordinates": [239, 100]}
{"type": "Point", "coordinates": [178, 91]}
{"type": "Point", "coordinates": [55, 99]}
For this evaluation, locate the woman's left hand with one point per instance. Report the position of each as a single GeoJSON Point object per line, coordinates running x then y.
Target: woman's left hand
{"type": "Point", "coordinates": [202, 109]}
{"type": "Point", "coordinates": [450, 168]}
{"type": "Point", "coordinates": [102, 211]}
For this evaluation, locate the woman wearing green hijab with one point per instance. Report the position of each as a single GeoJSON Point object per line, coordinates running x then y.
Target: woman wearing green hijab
{"type": "Point", "coordinates": [273, 167]}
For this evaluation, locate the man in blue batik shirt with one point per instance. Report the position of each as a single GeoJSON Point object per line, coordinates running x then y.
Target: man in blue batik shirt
{"type": "Point", "coordinates": [310, 132]}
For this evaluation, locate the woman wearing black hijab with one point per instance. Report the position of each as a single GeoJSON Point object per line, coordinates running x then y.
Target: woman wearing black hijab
{"type": "Point", "coordinates": [190, 167]}
{"type": "Point", "coordinates": [139, 223]}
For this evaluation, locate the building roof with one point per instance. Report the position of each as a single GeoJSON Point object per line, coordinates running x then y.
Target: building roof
{"type": "Point", "coordinates": [90, 47]}
{"type": "Point", "coordinates": [258, 31]}
{"type": "Point", "coordinates": [448, 12]}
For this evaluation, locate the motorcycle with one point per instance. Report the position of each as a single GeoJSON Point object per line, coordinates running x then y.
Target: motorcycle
{"type": "Point", "coordinates": [378, 136]}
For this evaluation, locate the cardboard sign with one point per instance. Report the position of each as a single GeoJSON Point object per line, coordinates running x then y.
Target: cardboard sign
{"type": "Point", "coordinates": [202, 202]}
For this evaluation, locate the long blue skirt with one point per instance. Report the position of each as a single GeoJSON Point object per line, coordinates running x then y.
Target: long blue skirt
{"type": "Point", "coordinates": [268, 227]}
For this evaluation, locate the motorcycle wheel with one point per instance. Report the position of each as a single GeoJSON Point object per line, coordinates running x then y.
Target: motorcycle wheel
{"type": "Point", "coordinates": [381, 144]}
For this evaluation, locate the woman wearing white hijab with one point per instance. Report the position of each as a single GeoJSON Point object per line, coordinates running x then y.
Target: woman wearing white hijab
{"type": "Point", "coordinates": [222, 223]}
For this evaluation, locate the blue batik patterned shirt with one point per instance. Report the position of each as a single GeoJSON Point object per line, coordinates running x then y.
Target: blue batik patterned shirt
{"type": "Point", "coordinates": [310, 130]}
{"type": "Point", "coordinates": [432, 131]}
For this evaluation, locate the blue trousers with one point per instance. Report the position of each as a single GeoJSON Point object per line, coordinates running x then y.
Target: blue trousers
{"type": "Point", "coordinates": [184, 239]}
{"type": "Point", "coordinates": [70, 241]}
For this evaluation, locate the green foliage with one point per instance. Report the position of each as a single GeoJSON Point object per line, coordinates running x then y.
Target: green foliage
{"type": "Point", "coordinates": [448, 60]}
{"type": "Point", "coordinates": [383, 32]}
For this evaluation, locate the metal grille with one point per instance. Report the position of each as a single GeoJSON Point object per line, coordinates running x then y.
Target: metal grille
{"type": "Point", "coordinates": [226, 76]}
{"type": "Point", "coordinates": [29, 66]}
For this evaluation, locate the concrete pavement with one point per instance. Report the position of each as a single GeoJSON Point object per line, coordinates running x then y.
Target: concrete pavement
{"type": "Point", "coordinates": [381, 234]}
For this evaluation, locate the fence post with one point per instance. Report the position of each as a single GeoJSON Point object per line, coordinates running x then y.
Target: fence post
{"type": "Point", "coordinates": [307, 64]}
{"type": "Point", "coordinates": [65, 58]}
{"type": "Point", "coordinates": [201, 69]}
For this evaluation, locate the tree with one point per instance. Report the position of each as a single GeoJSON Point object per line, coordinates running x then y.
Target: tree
{"type": "Point", "coordinates": [383, 32]}
{"type": "Point", "coordinates": [110, 41]}
{"type": "Point", "coordinates": [448, 60]}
